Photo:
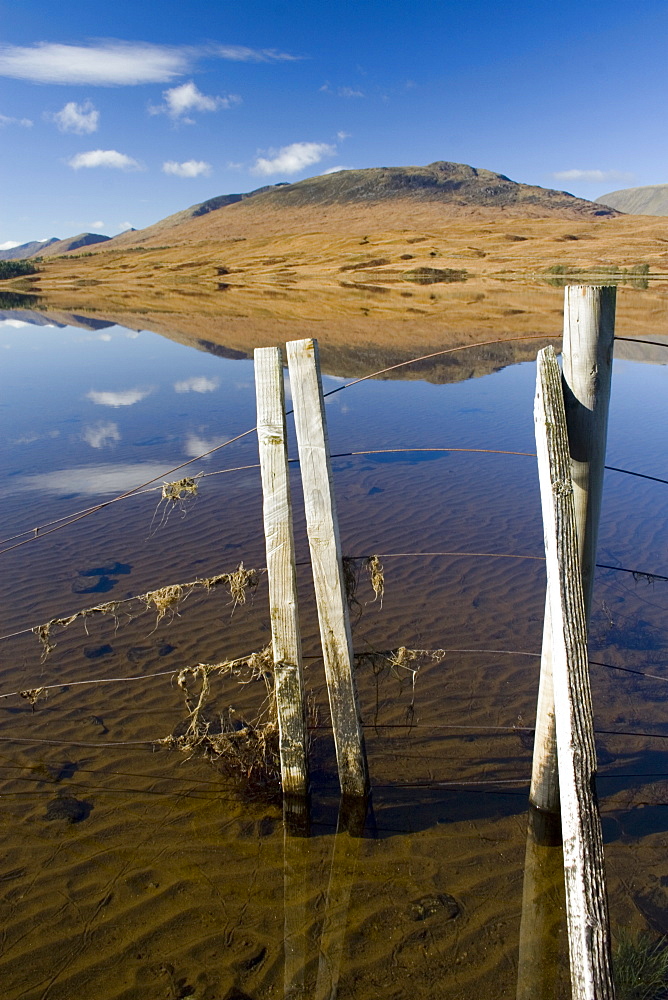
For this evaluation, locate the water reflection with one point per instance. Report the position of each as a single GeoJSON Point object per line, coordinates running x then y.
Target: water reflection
{"type": "Point", "coordinates": [90, 480]}
{"type": "Point", "coordinates": [128, 873]}
{"type": "Point", "coordinates": [123, 397]}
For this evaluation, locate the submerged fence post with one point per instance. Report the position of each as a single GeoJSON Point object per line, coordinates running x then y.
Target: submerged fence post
{"type": "Point", "coordinates": [323, 535]}
{"type": "Point", "coordinates": [277, 512]}
{"type": "Point", "coordinates": [589, 333]}
{"type": "Point", "coordinates": [586, 897]}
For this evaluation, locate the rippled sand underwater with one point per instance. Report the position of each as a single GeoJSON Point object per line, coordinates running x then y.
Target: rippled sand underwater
{"type": "Point", "coordinates": [132, 872]}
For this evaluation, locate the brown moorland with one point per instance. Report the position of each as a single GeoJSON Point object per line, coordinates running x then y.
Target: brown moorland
{"type": "Point", "coordinates": [380, 265]}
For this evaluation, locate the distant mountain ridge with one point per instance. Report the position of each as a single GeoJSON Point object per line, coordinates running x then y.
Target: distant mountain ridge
{"type": "Point", "coordinates": [649, 200]}
{"type": "Point", "coordinates": [75, 243]}
{"type": "Point", "coordinates": [52, 247]}
{"type": "Point", "coordinates": [25, 250]}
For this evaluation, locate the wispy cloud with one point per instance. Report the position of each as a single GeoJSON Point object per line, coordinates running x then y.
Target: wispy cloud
{"type": "Point", "coordinates": [79, 118]}
{"type": "Point", "coordinates": [124, 397]}
{"type": "Point", "coordinates": [292, 159]}
{"type": "Point", "coordinates": [104, 158]}
{"type": "Point", "coordinates": [98, 224]}
{"type": "Point", "coordinates": [101, 435]}
{"type": "Point", "coordinates": [9, 245]}
{"type": "Point", "coordinates": [114, 63]}
{"type": "Point", "coordinates": [181, 100]}
{"type": "Point", "coordinates": [341, 91]}
{"type": "Point", "coordinates": [241, 53]}
{"type": "Point", "coordinates": [335, 170]}
{"type": "Point", "coordinates": [593, 176]}
{"type": "Point", "coordinates": [106, 64]}
{"type": "Point", "coordinates": [190, 168]}
{"type": "Point", "coordinates": [123, 227]}
{"type": "Point", "coordinates": [198, 383]}
{"type": "Point", "coordinates": [8, 120]}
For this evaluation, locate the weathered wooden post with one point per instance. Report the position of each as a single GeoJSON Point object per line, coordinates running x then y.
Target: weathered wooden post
{"type": "Point", "coordinates": [325, 547]}
{"type": "Point", "coordinates": [586, 898]}
{"type": "Point", "coordinates": [589, 332]}
{"type": "Point", "coordinates": [277, 512]}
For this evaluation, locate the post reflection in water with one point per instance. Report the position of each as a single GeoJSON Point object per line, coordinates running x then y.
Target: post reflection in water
{"type": "Point", "coordinates": [543, 972]}
{"type": "Point", "coordinates": [343, 870]}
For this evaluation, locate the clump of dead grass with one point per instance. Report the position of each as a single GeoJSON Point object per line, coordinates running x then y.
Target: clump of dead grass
{"type": "Point", "coordinates": [402, 663]}
{"type": "Point", "coordinates": [352, 568]}
{"type": "Point", "coordinates": [240, 583]}
{"type": "Point", "coordinates": [174, 495]}
{"type": "Point", "coordinates": [245, 749]}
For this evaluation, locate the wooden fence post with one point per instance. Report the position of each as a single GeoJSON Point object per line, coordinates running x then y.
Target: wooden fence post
{"type": "Point", "coordinates": [323, 534]}
{"type": "Point", "coordinates": [586, 898]}
{"type": "Point", "coordinates": [589, 333]}
{"type": "Point", "coordinates": [277, 512]}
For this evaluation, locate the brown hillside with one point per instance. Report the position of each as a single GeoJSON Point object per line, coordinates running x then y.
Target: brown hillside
{"type": "Point", "coordinates": [378, 198]}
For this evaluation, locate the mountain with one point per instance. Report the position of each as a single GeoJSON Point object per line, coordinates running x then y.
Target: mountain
{"type": "Point", "coordinates": [387, 195]}
{"type": "Point", "coordinates": [52, 247]}
{"type": "Point", "coordinates": [27, 249]}
{"type": "Point", "coordinates": [72, 243]}
{"type": "Point", "coordinates": [650, 200]}
{"type": "Point", "coordinates": [454, 183]}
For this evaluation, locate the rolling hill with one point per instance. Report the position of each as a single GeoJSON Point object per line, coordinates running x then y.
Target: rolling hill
{"type": "Point", "coordinates": [650, 200]}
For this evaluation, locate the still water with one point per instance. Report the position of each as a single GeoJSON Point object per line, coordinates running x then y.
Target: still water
{"type": "Point", "coordinates": [129, 871]}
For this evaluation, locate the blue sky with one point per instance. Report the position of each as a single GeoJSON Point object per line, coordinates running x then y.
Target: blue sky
{"type": "Point", "coordinates": [117, 114]}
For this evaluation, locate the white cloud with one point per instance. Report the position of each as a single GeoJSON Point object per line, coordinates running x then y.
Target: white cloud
{"type": "Point", "coordinates": [335, 170]}
{"type": "Point", "coordinates": [186, 97]}
{"type": "Point", "coordinates": [198, 383]}
{"type": "Point", "coordinates": [594, 176]}
{"type": "Point", "coordinates": [9, 245]}
{"type": "Point", "coordinates": [98, 224]}
{"type": "Point", "coordinates": [124, 397]}
{"type": "Point", "coordinates": [16, 324]}
{"type": "Point", "coordinates": [190, 168]}
{"type": "Point", "coordinates": [113, 63]}
{"type": "Point", "coordinates": [101, 435]}
{"type": "Point", "coordinates": [79, 118]}
{"type": "Point", "coordinates": [291, 159]}
{"type": "Point", "coordinates": [104, 158]}
{"type": "Point", "coordinates": [349, 92]}
{"type": "Point", "coordinates": [8, 120]}
{"type": "Point", "coordinates": [108, 64]}
{"type": "Point", "coordinates": [196, 446]}
{"type": "Point", "coordinates": [343, 135]}
{"type": "Point", "coordinates": [123, 227]}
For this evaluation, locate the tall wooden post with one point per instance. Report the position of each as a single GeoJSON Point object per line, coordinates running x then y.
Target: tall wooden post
{"type": "Point", "coordinates": [589, 333]}
{"type": "Point", "coordinates": [586, 898]}
{"type": "Point", "coordinates": [277, 512]}
{"type": "Point", "coordinates": [325, 546]}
